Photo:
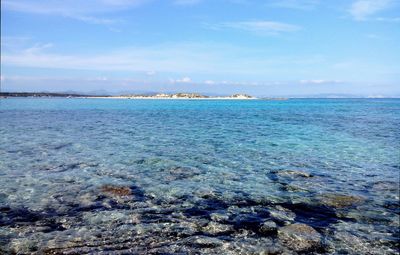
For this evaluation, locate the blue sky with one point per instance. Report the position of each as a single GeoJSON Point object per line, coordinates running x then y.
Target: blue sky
{"type": "Point", "coordinates": [269, 48]}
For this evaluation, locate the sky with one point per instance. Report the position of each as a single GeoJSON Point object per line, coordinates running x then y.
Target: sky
{"type": "Point", "coordinates": [263, 48]}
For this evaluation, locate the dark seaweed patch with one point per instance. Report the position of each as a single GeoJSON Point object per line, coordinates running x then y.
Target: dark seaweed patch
{"type": "Point", "coordinates": [140, 161]}
{"type": "Point", "coordinates": [78, 209]}
{"type": "Point", "coordinates": [156, 215]}
{"type": "Point", "coordinates": [314, 215]}
{"type": "Point", "coordinates": [206, 207]}
{"type": "Point", "coordinates": [249, 221]}
{"type": "Point", "coordinates": [51, 225]}
{"type": "Point", "coordinates": [393, 206]}
{"type": "Point", "coordinates": [60, 168]}
{"type": "Point", "coordinates": [22, 216]}
{"type": "Point", "coordinates": [14, 216]}
{"type": "Point", "coordinates": [60, 146]}
{"type": "Point", "coordinates": [273, 176]}
{"type": "Point", "coordinates": [138, 193]}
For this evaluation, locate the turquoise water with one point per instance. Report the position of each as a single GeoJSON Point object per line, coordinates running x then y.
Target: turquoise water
{"type": "Point", "coordinates": [184, 176]}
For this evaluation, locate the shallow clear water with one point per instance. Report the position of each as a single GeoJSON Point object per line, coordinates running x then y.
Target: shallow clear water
{"type": "Point", "coordinates": [179, 176]}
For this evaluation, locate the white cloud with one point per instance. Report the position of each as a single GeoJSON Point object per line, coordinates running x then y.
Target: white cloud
{"type": "Point", "coordinates": [320, 81]}
{"type": "Point", "coordinates": [181, 80]}
{"type": "Point", "coordinates": [261, 26]}
{"type": "Point", "coordinates": [209, 82]}
{"type": "Point", "coordinates": [362, 9]}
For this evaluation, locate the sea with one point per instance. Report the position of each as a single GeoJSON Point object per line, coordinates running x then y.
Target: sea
{"type": "Point", "coordinates": [120, 176]}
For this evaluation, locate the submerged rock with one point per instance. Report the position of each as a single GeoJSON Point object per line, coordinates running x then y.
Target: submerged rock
{"type": "Point", "coordinates": [117, 191]}
{"type": "Point", "coordinates": [268, 227]}
{"type": "Point", "coordinates": [293, 173]}
{"type": "Point", "coordinates": [348, 243]}
{"type": "Point", "coordinates": [215, 228]}
{"type": "Point", "coordinates": [219, 217]}
{"type": "Point", "coordinates": [203, 242]}
{"type": "Point", "coordinates": [386, 186]}
{"type": "Point", "coordinates": [339, 201]}
{"type": "Point", "coordinates": [294, 188]}
{"type": "Point", "coordinates": [300, 237]}
{"type": "Point", "coordinates": [281, 214]}
{"type": "Point", "coordinates": [178, 173]}
{"type": "Point", "coordinates": [251, 245]}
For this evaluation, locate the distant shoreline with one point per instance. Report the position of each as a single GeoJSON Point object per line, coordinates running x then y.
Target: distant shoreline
{"type": "Point", "coordinates": [154, 96]}
{"type": "Point", "coordinates": [170, 98]}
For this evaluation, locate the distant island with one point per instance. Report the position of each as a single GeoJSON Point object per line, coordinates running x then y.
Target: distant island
{"type": "Point", "coordinates": [180, 96]}
{"type": "Point", "coordinates": [128, 96]}
{"type": "Point", "coordinates": [133, 96]}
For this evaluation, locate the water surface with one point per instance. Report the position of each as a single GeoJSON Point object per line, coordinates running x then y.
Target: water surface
{"type": "Point", "coordinates": [199, 176]}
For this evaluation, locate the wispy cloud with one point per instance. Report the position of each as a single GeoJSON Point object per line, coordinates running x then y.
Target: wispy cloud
{"type": "Point", "coordinates": [259, 27]}
{"type": "Point", "coordinates": [37, 48]}
{"type": "Point", "coordinates": [379, 37]}
{"type": "Point", "coordinates": [70, 7]}
{"type": "Point", "coordinates": [295, 4]}
{"type": "Point", "coordinates": [186, 2]}
{"type": "Point", "coordinates": [396, 19]}
{"type": "Point", "coordinates": [363, 9]}
{"type": "Point", "coordinates": [179, 58]}
{"type": "Point", "coordinates": [96, 20]}
{"type": "Point", "coordinates": [13, 42]}
{"type": "Point", "coordinates": [165, 58]}
{"type": "Point", "coordinates": [90, 11]}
